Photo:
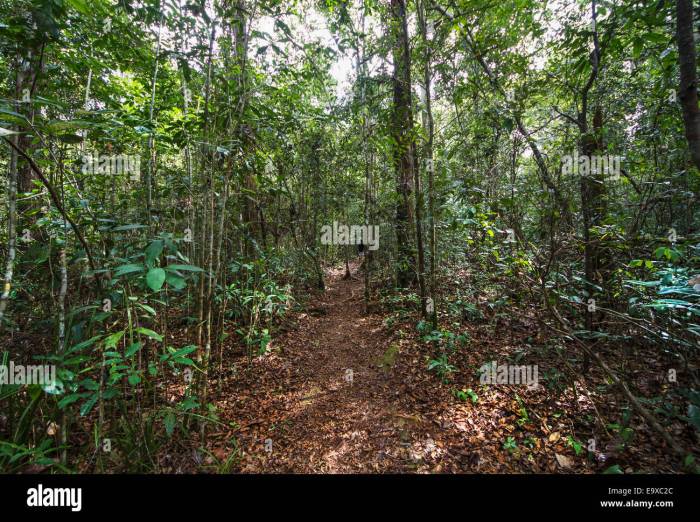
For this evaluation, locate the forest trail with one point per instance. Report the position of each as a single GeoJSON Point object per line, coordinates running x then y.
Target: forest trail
{"type": "Point", "coordinates": [334, 408]}
{"type": "Point", "coordinates": [297, 410]}
{"type": "Point", "coordinates": [342, 392]}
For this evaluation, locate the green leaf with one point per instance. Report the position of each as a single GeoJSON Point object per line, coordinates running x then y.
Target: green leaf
{"type": "Point", "coordinates": [90, 384]}
{"type": "Point", "coordinates": [11, 116]}
{"type": "Point", "coordinates": [88, 404]}
{"type": "Point", "coordinates": [84, 344]}
{"type": "Point", "coordinates": [70, 138]}
{"type": "Point", "coordinates": [578, 447]}
{"type": "Point", "coordinates": [61, 125]}
{"type": "Point", "coordinates": [187, 268]}
{"type": "Point", "coordinates": [689, 460]}
{"type": "Point", "coordinates": [656, 38]}
{"type": "Point", "coordinates": [8, 390]}
{"type": "Point", "coordinates": [147, 308]}
{"type": "Point", "coordinates": [185, 350]}
{"type": "Point", "coordinates": [70, 399]}
{"type": "Point", "coordinates": [81, 6]}
{"type": "Point", "coordinates": [131, 350]}
{"type": "Point", "coordinates": [112, 340]}
{"type": "Point", "coordinates": [188, 403]}
{"type": "Point", "coordinates": [154, 250]}
{"type": "Point", "coordinates": [124, 228]}
{"type": "Point", "coordinates": [613, 470]}
{"type": "Point", "coordinates": [128, 269]}
{"type": "Point", "coordinates": [155, 278]}
{"type": "Point", "coordinates": [169, 421]}
{"type": "Point", "coordinates": [149, 333]}
{"type": "Point", "coordinates": [175, 281]}
{"type": "Point", "coordinates": [178, 356]}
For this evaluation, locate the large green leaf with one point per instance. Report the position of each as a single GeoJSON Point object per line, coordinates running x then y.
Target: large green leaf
{"type": "Point", "coordinates": [154, 250]}
{"type": "Point", "coordinates": [128, 269]}
{"type": "Point", "coordinates": [175, 281]}
{"type": "Point", "coordinates": [155, 278]}
{"type": "Point", "coordinates": [149, 333]}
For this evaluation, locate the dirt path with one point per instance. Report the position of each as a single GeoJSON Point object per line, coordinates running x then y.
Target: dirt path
{"type": "Point", "coordinates": [325, 399]}
{"type": "Point", "coordinates": [343, 393]}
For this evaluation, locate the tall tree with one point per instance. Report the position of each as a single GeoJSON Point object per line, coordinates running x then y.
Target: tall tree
{"type": "Point", "coordinates": [688, 89]}
{"type": "Point", "coordinates": [429, 124]}
{"type": "Point", "coordinates": [403, 141]}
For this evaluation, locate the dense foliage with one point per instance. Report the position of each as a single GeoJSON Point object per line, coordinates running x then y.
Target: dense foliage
{"type": "Point", "coordinates": [169, 166]}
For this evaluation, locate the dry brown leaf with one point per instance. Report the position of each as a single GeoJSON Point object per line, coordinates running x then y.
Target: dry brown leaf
{"type": "Point", "coordinates": [52, 429]}
{"type": "Point", "coordinates": [564, 461]}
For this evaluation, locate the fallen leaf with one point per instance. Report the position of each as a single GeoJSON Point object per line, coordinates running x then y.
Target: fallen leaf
{"type": "Point", "coordinates": [564, 461]}
{"type": "Point", "coordinates": [52, 429]}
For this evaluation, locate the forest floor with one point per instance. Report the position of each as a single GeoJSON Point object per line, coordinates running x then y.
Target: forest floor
{"type": "Point", "coordinates": [334, 405]}
{"type": "Point", "coordinates": [342, 392]}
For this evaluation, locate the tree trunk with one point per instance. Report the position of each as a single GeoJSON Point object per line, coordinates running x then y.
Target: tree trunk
{"type": "Point", "coordinates": [429, 124]}
{"type": "Point", "coordinates": [11, 233]}
{"type": "Point", "coordinates": [592, 188]}
{"type": "Point", "coordinates": [151, 152]}
{"type": "Point", "coordinates": [404, 142]}
{"type": "Point", "coordinates": [689, 79]}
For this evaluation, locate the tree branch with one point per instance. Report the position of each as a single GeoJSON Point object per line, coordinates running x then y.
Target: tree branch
{"type": "Point", "coordinates": [56, 200]}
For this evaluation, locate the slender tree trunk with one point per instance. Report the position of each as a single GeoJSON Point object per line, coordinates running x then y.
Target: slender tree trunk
{"type": "Point", "coordinates": [12, 186]}
{"type": "Point", "coordinates": [209, 296]}
{"type": "Point", "coordinates": [419, 240]}
{"type": "Point", "coordinates": [62, 330]}
{"type": "Point", "coordinates": [25, 88]}
{"type": "Point", "coordinates": [689, 79]}
{"type": "Point", "coordinates": [11, 233]}
{"type": "Point", "coordinates": [361, 68]}
{"type": "Point", "coordinates": [151, 153]}
{"type": "Point", "coordinates": [429, 124]}
{"type": "Point", "coordinates": [207, 193]}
